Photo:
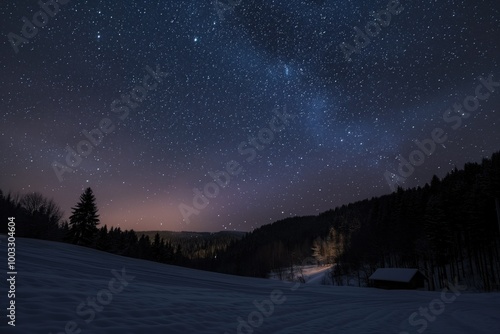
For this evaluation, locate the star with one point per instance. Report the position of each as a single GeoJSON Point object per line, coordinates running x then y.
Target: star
{"type": "Point", "coordinates": [153, 117]}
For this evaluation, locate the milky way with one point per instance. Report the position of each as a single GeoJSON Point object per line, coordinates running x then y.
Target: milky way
{"type": "Point", "coordinates": [212, 115]}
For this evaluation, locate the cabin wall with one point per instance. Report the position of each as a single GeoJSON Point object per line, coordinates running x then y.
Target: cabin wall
{"type": "Point", "coordinates": [415, 283]}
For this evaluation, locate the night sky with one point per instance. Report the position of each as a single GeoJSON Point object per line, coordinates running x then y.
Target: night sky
{"type": "Point", "coordinates": [186, 89]}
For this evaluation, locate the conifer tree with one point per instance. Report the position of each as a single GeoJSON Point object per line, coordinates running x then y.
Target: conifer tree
{"type": "Point", "coordinates": [84, 220]}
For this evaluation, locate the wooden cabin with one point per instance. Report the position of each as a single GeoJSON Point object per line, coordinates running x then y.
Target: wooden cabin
{"type": "Point", "coordinates": [398, 278]}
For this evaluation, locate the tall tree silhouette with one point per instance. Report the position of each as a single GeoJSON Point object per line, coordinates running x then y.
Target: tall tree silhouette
{"type": "Point", "coordinates": [84, 220]}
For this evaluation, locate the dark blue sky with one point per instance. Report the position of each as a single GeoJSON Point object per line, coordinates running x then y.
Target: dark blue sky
{"type": "Point", "coordinates": [218, 73]}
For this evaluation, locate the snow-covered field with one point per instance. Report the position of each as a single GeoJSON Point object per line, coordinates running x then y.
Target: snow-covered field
{"type": "Point", "coordinates": [62, 288]}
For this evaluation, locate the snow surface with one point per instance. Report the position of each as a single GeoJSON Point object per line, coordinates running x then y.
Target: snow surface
{"type": "Point", "coordinates": [55, 278]}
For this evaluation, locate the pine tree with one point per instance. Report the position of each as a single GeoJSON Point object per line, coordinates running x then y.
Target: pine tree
{"type": "Point", "coordinates": [102, 240]}
{"type": "Point", "coordinates": [84, 220]}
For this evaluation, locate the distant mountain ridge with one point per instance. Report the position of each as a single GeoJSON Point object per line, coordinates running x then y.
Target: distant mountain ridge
{"type": "Point", "coordinates": [196, 245]}
{"type": "Point", "coordinates": [172, 235]}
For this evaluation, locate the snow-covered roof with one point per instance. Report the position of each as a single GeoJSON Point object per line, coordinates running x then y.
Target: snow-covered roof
{"type": "Point", "coordinates": [394, 274]}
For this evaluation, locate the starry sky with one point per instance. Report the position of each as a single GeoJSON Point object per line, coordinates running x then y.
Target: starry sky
{"type": "Point", "coordinates": [183, 89]}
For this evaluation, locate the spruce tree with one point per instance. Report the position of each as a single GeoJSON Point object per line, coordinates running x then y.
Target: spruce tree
{"type": "Point", "coordinates": [84, 220]}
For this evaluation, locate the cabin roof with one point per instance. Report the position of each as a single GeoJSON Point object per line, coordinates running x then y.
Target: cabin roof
{"type": "Point", "coordinates": [394, 274]}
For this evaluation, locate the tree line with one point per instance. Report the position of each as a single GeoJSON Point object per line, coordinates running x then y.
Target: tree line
{"type": "Point", "coordinates": [448, 229]}
{"type": "Point", "coordinates": [41, 218]}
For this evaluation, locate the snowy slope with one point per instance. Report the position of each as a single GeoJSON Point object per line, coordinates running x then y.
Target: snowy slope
{"type": "Point", "coordinates": [54, 279]}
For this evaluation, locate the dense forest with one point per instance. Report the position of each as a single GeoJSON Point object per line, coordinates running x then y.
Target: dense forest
{"type": "Point", "coordinates": [449, 229]}
{"type": "Point", "coordinates": [196, 245]}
